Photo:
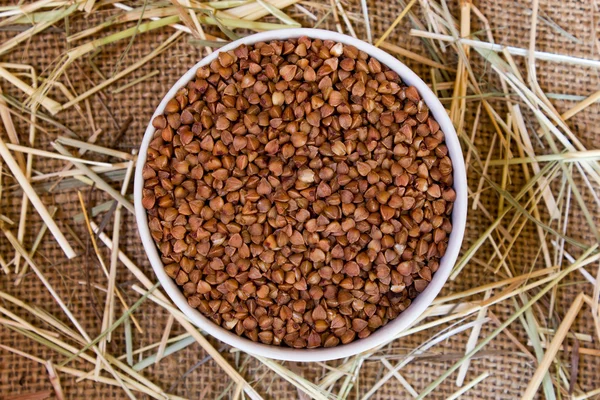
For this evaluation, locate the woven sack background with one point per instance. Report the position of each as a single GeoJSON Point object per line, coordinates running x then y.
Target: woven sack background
{"type": "Point", "coordinates": [189, 372]}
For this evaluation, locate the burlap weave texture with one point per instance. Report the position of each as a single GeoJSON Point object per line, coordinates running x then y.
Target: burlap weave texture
{"type": "Point", "coordinates": [510, 370]}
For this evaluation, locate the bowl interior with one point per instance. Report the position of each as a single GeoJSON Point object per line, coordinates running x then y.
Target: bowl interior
{"type": "Point", "coordinates": [407, 317]}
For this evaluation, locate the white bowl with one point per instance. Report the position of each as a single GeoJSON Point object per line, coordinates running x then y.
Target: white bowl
{"type": "Point", "coordinates": [423, 300]}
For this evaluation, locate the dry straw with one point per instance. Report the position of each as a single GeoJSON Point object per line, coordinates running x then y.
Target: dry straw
{"type": "Point", "coordinates": [531, 138]}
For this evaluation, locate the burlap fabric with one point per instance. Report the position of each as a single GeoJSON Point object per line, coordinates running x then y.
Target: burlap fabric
{"type": "Point", "coordinates": [510, 370]}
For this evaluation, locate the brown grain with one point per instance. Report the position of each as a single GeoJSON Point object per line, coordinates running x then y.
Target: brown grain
{"type": "Point", "coordinates": [299, 193]}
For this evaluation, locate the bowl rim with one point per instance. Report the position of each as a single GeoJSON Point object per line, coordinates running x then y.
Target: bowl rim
{"type": "Point", "coordinates": [386, 333]}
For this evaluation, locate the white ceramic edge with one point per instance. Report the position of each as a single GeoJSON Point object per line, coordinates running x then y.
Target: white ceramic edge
{"type": "Point", "coordinates": [418, 306]}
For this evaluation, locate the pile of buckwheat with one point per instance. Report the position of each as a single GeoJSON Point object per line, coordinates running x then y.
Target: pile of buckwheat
{"type": "Point", "coordinates": [299, 193]}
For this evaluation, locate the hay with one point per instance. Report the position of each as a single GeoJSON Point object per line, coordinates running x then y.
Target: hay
{"type": "Point", "coordinates": [534, 184]}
